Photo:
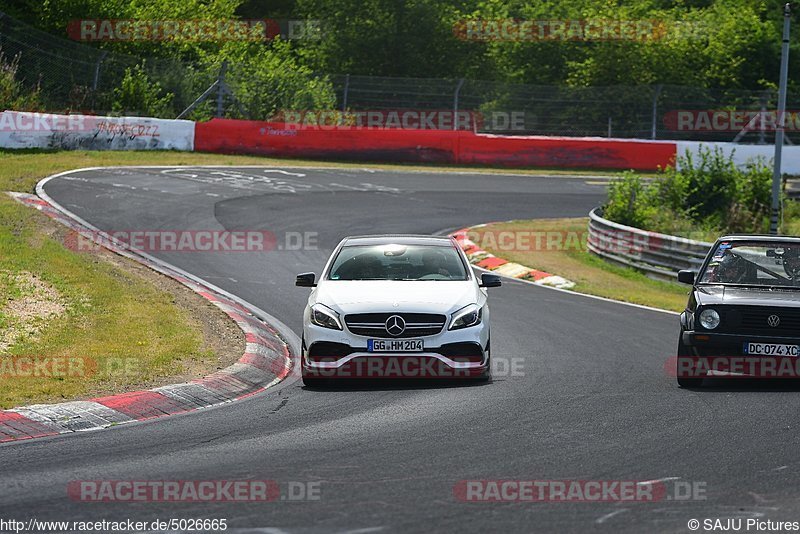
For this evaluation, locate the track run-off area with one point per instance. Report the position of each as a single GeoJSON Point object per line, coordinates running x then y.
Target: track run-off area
{"type": "Point", "coordinates": [588, 398]}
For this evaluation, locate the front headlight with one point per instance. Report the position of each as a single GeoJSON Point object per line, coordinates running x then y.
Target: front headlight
{"type": "Point", "coordinates": [466, 317]}
{"type": "Point", "coordinates": [709, 319]}
{"type": "Point", "coordinates": [325, 317]}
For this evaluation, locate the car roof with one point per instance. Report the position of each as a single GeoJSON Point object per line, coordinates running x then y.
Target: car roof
{"type": "Point", "coordinates": [398, 239]}
{"type": "Point", "coordinates": [761, 237]}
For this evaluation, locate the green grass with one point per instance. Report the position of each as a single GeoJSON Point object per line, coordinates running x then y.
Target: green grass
{"type": "Point", "coordinates": [112, 316]}
{"type": "Point", "coordinates": [591, 274]}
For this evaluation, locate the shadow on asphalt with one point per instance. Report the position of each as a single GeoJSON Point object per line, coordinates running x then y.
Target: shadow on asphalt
{"type": "Point", "coordinates": [394, 385]}
{"type": "Point", "coordinates": [755, 385]}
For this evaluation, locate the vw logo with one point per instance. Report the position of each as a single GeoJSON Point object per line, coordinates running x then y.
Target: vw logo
{"type": "Point", "coordinates": [395, 325]}
{"type": "Point", "coordinates": [773, 320]}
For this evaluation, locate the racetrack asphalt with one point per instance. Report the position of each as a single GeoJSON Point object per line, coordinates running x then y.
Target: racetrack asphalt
{"type": "Point", "coordinates": [590, 399]}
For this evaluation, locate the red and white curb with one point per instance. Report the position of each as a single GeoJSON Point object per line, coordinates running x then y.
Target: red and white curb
{"type": "Point", "coordinates": [479, 257]}
{"type": "Point", "coordinates": [267, 360]}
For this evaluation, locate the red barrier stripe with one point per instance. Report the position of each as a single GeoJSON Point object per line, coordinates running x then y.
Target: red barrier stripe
{"type": "Point", "coordinates": [568, 152]}
{"type": "Point", "coordinates": [538, 275]}
{"type": "Point", "coordinates": [492, 263]}
{"type": "Point", "coordinates": [256, 137]}
{"type": "Point", "coordinates": [257, 360]}
{"type": "Point", "coordinates": [14, 426]}
{"type": "Point", "coordinates": [141, 405]}
{"type": "Point", "coordinates": [210, 296]}
{"type": "Point", "coordinates": [433, 146]}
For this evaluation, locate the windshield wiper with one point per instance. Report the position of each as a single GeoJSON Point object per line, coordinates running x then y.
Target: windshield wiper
{"type": "Point", "coordinates": [760, 286]}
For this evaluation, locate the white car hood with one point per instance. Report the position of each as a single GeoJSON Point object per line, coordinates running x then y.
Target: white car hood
{"type": "Point", "coordinates": [365, 296]}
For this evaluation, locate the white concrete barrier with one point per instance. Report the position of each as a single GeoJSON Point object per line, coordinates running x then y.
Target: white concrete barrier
{"type": "Point", "coordinates": [90, 132]}
{"type": "Point", "coordinates": [742, 153]}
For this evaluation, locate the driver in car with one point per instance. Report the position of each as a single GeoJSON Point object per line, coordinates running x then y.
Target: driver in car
{"type": "Point", "coordinates": [731, 269]}
{"type": "Point", "coordinates": [432, 263]}
{"type": "Point", "coordinates": [369, 268]}
{"type": "Point", "coordinates": [791, 263]}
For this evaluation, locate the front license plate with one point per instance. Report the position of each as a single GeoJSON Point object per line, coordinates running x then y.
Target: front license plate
{"type": "Point", "coordinates": [394, 345]}
{"type": "Point", "coordinates": [771, 349]}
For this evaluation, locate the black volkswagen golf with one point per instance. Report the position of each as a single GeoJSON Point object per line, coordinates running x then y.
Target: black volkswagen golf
{"type": "Point", "coordinates": [743, 314]}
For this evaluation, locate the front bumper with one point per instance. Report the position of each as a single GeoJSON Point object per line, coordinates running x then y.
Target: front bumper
{"type": "Point", "coordinates": [703, 341]}
{"type": "Point", "coordinates": [449, 354]}
{"type": "Point", "coordinates": [723, 355]}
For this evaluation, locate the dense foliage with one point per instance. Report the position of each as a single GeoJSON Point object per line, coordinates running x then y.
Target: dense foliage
{"type": "Point", "coordinates": [707, 43]}
{"type": "Point", "coordinates": [13, 95]}
{"type": "Point", "coordinates": [708, 195]}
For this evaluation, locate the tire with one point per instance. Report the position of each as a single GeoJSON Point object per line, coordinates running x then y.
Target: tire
{"type": "Point", "coordinates": [487, 375]}
{"type": "Point", "coordinates": [314, 382]}
{"type": "Point", "coordinates": [684, 351]}
{"type": "Point", "coordinates": [311, 381]}
{"type": "Point", "coordinates": [690, 382]}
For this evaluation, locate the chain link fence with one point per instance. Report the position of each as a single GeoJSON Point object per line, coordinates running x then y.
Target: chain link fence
{"type": "Point", "coordinates": [76, 77]}
{"type": "Point", "coordinates": [643, 112]}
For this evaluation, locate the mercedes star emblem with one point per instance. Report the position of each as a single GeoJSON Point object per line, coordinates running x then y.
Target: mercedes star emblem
{"type": "Point", "coordinates": [395, 325]}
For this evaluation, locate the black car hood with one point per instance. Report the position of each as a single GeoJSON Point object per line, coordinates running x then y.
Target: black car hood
{"type": "Point", "coordinates": [747, 296]}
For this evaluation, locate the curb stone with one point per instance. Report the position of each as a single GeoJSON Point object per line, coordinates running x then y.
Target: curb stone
{"type": "Point", "coordinates": [490, 262]}
{"type": "Point", "coordinates": [267, 360]}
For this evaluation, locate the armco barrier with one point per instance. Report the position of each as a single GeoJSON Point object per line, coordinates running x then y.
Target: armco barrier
{"type": "Point", "coordinates": [91, 132]}
{"type": "Point", "coordinates": [439, 146]}
{"type": "Point", "coordinates": [658, 255]}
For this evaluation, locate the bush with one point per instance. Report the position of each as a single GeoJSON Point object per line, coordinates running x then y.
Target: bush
{"type": "Point", "coordinates": [269, 79]}
{"type": "Point", "coordinates": [138, 94]}
{"type": "Point", "coordinates": [709, 194]}
{"type": "Point", "coordinates": [628, 200]}
{"type": "Point", "coordinates": [13, 95]}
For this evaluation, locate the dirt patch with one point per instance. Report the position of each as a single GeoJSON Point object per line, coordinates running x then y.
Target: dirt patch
{"type": "Point", "coordinates": [30, 304]}
{"type": "Point", "coordinates": [221, 335]}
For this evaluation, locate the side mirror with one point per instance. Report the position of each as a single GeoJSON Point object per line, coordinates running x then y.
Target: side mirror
{"type": "Point", "coordinates": [490, 280]}
{"type": "Point", "coordinates": [686, 277]}
{"type": "Point", "coordinates": [306, 280]}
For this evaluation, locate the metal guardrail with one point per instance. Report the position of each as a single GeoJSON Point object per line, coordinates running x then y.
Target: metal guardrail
{"type": "Point", "coordinates": [657, 255]}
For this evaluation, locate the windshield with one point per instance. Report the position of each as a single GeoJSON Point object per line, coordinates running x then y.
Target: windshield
{"type": "Point", "coordinates": [754, 263]}
{"type": "Point", "coordinates": [398, 262]}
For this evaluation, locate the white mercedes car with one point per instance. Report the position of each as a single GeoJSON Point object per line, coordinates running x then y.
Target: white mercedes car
{"type": "Point", "coordinates": [396, 306]}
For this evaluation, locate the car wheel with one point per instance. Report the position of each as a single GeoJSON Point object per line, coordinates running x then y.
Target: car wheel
{"type": "Point", "coordinates": [487, 375]}
{"type": "Point", "coordinates": [310, 381]}
{"type": "Point", "coordinates": [684, 352]}
{"type": "Point", "coordinates": [314, 381]}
